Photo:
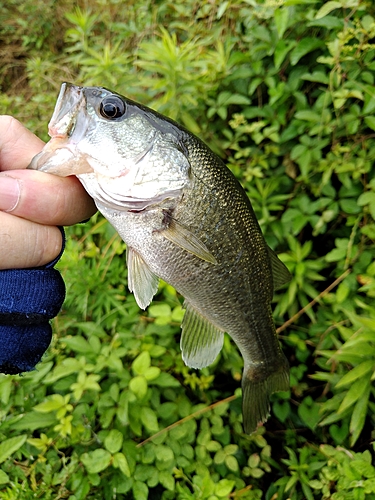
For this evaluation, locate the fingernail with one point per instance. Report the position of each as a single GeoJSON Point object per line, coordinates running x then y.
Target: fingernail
{"type": "Point", "coordinates": [9, 193]}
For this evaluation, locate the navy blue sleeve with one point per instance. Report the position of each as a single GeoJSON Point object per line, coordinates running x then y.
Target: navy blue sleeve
{"type": "Point", "coordinates": [29, 298]}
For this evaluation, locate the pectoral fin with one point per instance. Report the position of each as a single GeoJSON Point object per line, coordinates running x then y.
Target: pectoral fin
{"type": "Point", "coordinates": [184, 238]}
{"type": "Point", "coordinates": [141, 280]}
{"type": "Point", "coordinates": [201, 341]}
{"type": "Point", "coordinates": [280, 272]}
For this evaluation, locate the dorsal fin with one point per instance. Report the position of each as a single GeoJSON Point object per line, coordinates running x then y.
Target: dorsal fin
{"type": "Point", "coordinates": [141, 280]}
{"type": "Point", "coordinates": [201, 341]}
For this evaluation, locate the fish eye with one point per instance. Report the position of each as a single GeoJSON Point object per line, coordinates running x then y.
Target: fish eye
{"type": "Point", "coordinates": [112, 107]}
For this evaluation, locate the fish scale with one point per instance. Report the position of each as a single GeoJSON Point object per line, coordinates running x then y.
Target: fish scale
{"type": "Point", "coordinates": [186, 219]}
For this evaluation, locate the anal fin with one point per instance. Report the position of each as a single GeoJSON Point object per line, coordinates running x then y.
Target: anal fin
{"type": "Point", "coordinates": [141, 280]}
{"type": "Point", "coordinates": [280, 273]}
{"type": "Point", "coordinates": [201, 341]}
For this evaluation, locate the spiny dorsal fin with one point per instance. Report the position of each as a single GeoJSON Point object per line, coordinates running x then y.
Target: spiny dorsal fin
{"type": "Point", "coordinates": [141, 281]}
{"type": "Point", "coordinates": [184, 238]}
{"type": "Point", "coordinates": [201, 341]}
{"type": "Point", "coordinates": [280, 272]}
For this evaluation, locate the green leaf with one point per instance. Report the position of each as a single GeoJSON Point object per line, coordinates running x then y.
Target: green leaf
{"type": "Point", "coordinates": [5, 389]}
{"type": "Point", "coordinates": [140, 491]}
{"type": "Point", "coordinates": [166, 380]}
{"type": "Point", "coordinates": [120, 462]}
{"type": "Point", "coordinates": [33, 420]}
{"type": "Point", "coordinates": [237, 99]}
{"type": "Point", "coordinates": [113, 441]}
{"type": "Point", "coordinates": [308, 115]}
{"type": "Point", "coordinates": [4, 478]}
{"type": "Point", "coordinates": [281, 409]}
{"type": "Point", "coordinates": [164, 454]}
{"type": "Point", "coordinates": [359, 416]}
{"type": "Point", "coordinates": [281, 17]}
{"type": "Point", "coordinates": [356, 373]}
{"type": "Point", "coordinates": [96, 461]}
{"type": "Point", "coordinates": [166, 479]}
{"type": "Point", "coordinates": [354, 393]}
{"type": "Point", "coordinates": [149, 419]}
{"type": "Point", "coordinates": [327, 8]}
{"type": "Point", "coordinates": [77, 344]}
{"type": "Point", "coordinates": [224, 487]}
{"type": "Point", "coordinates": [309, 412]}
{"type": "Point", "coordinates": [55, 402]}
{"type": "Point", "coordinates": [152, 373]}
{"type": "Point", "coordinates": [141, 363]}
{"type": "Point", "coordinates": [231, 462]}
{"type": "Point", "coordinates": [66, 368]}
{"type": "Point", "coordinates": [10, 446]}
{"type": "Point", "coordinates": [157, 310]}
{"type": "Point", "coordinates": [138, 385]}
{"type": "Point", "coordinates": [370, 122]}
{"type": "Point", "coordinates": [304, 47]}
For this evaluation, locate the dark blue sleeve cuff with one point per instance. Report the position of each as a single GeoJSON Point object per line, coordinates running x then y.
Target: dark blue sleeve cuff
{"type": "Point", "coordinates": [29, 298]}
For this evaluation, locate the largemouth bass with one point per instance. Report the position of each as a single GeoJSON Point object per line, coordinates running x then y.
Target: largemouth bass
{"type": "Point", "coordinates": [185, 219]}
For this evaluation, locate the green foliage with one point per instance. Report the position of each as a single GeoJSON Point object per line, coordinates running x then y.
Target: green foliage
{"type": "Point", "coordinates": [284, 92]}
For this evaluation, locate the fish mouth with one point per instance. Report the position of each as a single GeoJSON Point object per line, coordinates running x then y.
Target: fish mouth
{"type": "Point", "coordinates": [68, 116]}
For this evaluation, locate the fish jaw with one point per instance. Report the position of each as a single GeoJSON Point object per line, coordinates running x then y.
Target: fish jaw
{"type": "Point", "coordinates": [60, 156]}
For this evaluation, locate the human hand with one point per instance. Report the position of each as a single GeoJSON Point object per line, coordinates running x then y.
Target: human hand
{"type": "Point", "coordinates": [33, 203]}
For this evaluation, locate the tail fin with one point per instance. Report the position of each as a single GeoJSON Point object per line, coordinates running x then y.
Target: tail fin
{"type": "Point", "coordinates": [256, 390]}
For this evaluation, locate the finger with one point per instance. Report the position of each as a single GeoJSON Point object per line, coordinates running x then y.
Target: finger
{"type": "Point", "coordinates": [44, 198]}
{"type": "Point", "coordinates": [27, 244]}
{"type": "Point", "coordinates": [17, 144]}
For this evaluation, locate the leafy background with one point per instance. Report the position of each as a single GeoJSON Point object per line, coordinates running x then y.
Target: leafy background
{"type": "Point", "coordinates": [283, 91]}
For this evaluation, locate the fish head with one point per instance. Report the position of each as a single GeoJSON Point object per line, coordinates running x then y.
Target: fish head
{"type": "Point", "coordinates": [126, 155]}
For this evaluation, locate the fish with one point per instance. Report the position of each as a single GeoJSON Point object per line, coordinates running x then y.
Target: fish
{"type": "Point", "coordinates": [185, 219]}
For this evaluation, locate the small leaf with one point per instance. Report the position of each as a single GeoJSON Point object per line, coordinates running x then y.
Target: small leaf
{"type": "Point", "coordinates": [120, 462]}
{"type": "Point", "coordinates": [164, 454]}
{"type": "Point", "coordinates": [281, 17]}
{"type": "Point", "coordinates": [77, 344]}
{"type": "Point", "coordinates": [10, 446]}
{"type": "Point", "coordinates": [157, 310]}
{"type": "Point", "coordinates": [55, 402]}
{"type": "Point", "coordinates": [309, 413]}
{"type": "Point", "coordinates": [224, 487]}
{"type": "Point", "coordinates": [165, 380]}
{"type": "Point", "coordinates": [96, 461]}
{"type": "Point", "coordinates": [140, 491]}
{"type": "Point", "coordinates": [370, 122]}
{"type": "Point", "coordinates": [355, 392]}
{"type": "Point", "coordinates": [149, 419]}
{"type": "Point", "coordinates": [113, 441]}
{"type": "Point", "coordinates": [237, 99]}
{"type": "Point", "coordinates": [33, 420]}
{"type": "Point", "coordinates": [308, 115]}
{"type": "Point", "coordinates": [231, 462]}
{"type": "Point", "coordinates": [327, 8]}
{"type": "Point", "coordinates": [356, 373]}
{"type": "Point", "coordinates": [303, 47]}
{"type": "Point", "coordinates": [166, 479]}
{"type": "Point", "coordinates": [152, 373]}
{"type": "Point", "coordinates": [4, 478]}
{"type": "Point", "coordinates": [138, 385]}
{"type": "Point", "coordinates": [281, 409]}
{"type": "Point", "coordinates": [359, 416]}
{"type": "Point", "coordinates": [141, 363]}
